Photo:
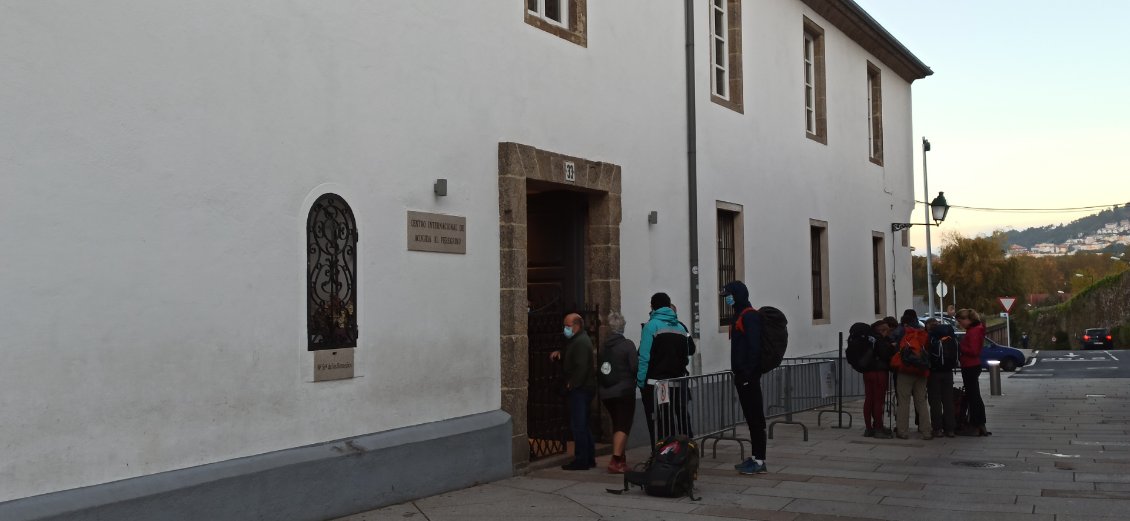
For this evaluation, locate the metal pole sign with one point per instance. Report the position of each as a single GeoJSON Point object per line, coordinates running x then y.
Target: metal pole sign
{"type": "Point", "coordinates": [1006, 303]}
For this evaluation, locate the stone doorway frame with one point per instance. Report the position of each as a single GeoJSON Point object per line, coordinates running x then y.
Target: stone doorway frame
{"type": "Point", "coordinates": [601, 181]}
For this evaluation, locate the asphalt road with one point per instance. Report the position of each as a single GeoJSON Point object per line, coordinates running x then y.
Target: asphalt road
{"type": "Point", "coordinates": [1078, 364]}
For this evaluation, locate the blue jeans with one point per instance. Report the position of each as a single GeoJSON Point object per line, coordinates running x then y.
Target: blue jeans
{"type": "Point", "coordinates": [584, 451]}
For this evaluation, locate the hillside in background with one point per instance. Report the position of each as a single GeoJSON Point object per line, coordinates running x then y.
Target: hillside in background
{"type": "Point", "coordinates": [1058, 234]}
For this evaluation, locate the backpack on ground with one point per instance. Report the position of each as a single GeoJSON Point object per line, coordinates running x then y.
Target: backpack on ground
{"type": "Point", "coordinates": [911, 357]}
{"type": "Point", "coordinates": [860, 351]}
{"type": "Point", "coordinates": [774, 335]}
{"type": "Point", "coordinates": [960, 408]}
{"type": "Point", "coordinates": [670, 472]}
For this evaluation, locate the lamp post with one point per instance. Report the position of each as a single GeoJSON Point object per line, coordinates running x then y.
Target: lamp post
{"type": "Point", "coordinates": [1092, 279]}
{"type": "Point", "coordinates": [937, 211]}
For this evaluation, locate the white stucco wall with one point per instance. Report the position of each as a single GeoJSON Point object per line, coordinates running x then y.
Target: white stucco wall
{"type": "Point", "coordinates": [159, 160]}
{"type": "Point", "coordinates": [763, 161]}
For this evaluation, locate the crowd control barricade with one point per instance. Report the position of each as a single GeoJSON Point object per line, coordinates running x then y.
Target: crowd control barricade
{"type": "Point", "coordinates": [706, 407]}
{"type": "Point", "coordinates": [702, 407]}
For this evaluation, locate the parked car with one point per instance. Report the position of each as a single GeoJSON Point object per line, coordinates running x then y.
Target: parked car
{"type": "Point", "coordinates": [1098, 338]}
{"type": "Point", "coordinates": [1009, 357]}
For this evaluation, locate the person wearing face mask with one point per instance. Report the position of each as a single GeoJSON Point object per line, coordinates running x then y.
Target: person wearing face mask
{"type": "Point", "coordinates": [580, 384]}
{"type": "Point", "coordinates": [665, 350]}
{"type": "Point", "coordinates": [745, 362]}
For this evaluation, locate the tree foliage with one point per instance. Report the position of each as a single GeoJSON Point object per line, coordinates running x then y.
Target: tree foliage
{"type": "Point", "coordinates": [979, 270]}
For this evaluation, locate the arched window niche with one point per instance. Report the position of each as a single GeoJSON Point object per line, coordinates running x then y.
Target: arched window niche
{"type": "Point", "coordinates": [331, 275]}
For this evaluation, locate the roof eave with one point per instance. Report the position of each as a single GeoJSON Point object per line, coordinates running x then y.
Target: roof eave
{"type": "Point", "coordinates": [850, 18]}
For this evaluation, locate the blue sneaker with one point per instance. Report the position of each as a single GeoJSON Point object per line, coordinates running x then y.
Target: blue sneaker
{"type": "Point", "coordinates": [752, 467]}
{"type": "Point", "coordinates": [744, 462]}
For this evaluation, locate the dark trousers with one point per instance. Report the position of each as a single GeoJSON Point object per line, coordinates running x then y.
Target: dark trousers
{"type": "Point", "coordinates": [969, 379]}
{"type": "Point", "coordinates": [939, 389]}
{"type": "Point", "coordinates": [749, 396]}
{"type": "Point", "coordinates": [875, 385]}
{"type": "Point", "coordinates": [674, 417]}
{"type": "Point", "coordinates": [584, 451]}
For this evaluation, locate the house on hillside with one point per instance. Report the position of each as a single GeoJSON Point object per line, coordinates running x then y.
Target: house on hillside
{"type": "Point", "coordinates": [299, 260]}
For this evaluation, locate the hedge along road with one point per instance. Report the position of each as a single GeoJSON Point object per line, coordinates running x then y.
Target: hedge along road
{"type": "Point", "coordinates": [1078, 364]}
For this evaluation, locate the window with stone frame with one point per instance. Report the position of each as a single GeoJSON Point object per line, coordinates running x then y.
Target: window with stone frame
{"type": "Point", "coordinates": [818, 240]}
{"type": "Point", "coordinates": [879, 273]}
{"type": "Point", "coordinates": [726, 54]}
{"type": "Point", "coordinates": [331, 274]}
{"type": "Point", "coordinates": [815, 89]}
{"type": "Point", "coordinates": [567, 19]}
{"type": "Point", "coordinates": [875, 113]}
{"type": "Point", "coordinates": [730, 254]}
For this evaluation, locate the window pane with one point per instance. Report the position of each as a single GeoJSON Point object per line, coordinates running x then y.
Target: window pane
{"type": "Point", "coordinates": [817, 276]}
{"type": "Point", "coordinates": [532, 5]}
{"type": "Point", "coordinates": [727, 261]}
{"type": "Point", "coordinates": [719, 52]}
{"type": "Point", "coordinates": [553, 9]}
{"type": "Point", "coordinates": [719, 23]}
{"type": "Point", "coordinates": [720, 82]}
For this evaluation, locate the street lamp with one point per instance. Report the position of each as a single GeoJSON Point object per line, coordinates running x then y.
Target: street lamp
{"type": "Point", "coordinates": [937, 211]}
{"type": "Point", "coordinates": [1092, 280]}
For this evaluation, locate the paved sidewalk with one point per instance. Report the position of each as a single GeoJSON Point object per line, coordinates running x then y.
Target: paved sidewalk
{"type": "Point", "coordinates": [1063, 444]}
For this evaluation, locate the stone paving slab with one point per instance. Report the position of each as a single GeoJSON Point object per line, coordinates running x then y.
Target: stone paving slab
{"type": "Point", "coordinates": [1066, 457]}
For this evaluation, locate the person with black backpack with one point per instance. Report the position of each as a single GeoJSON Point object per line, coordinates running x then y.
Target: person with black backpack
{"type": "Point", "coordinates": [665, 349]}
{"type": "Point", "coordinates": [942, 348]}
{"type": "Point", "coordinates": [616, 374]}
{"type": "Point", "coordinates": [746, 348]}
{"type": "Point", "coordinates": [869, 352]}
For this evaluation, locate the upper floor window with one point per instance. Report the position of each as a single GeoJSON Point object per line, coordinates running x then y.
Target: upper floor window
{"type": "Point", "coordinates": [726, 53]}
{"type": "Point", "coordinates": [567, 19]}
{"type": "Point", "coordinates": [553, 11]}
{"type": "Point", "coordinates": [875, 113]}
{"type": "Point", "coordinates": [815, 91]}
{"type": "Point", "coordinates": [331, 274]}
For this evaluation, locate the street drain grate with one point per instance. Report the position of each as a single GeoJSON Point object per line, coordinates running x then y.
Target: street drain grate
{"type": "Point", "coordinates": [978, 464]}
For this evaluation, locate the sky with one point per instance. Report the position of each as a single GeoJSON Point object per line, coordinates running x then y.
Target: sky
{"type": "Point", "coordinates": [1028, 106]}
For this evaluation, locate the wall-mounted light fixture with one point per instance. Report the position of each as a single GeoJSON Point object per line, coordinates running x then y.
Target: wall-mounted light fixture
{"type": "Point", "coordinates": [440, 187]}
{"type": "Point", "coordinates": [653, 217]}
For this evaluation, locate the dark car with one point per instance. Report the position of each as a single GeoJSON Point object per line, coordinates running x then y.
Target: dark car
{"type": "Point", "coordinates": [1009, 357]}
{"type": "Point", "coordinates": [1098, 338]}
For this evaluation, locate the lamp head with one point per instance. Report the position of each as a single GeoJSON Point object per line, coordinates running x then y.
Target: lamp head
{"type": "Point", "coordinates": [939, 208]}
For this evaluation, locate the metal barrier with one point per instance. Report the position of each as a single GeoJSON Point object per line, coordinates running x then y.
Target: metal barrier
{"type": "Point", "coordinates": [702, 407]}
{"type": "Point", "coordinates": [706, 407]}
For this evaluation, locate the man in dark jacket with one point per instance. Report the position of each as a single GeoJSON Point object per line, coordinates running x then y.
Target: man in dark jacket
{"type": "Point", "coordinates": [580, 382]}
{"type": "Point", "coordinates": [745, 362]}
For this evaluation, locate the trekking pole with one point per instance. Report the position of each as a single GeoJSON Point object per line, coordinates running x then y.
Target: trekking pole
{"type": "Point", "coordinates": [840, 383]}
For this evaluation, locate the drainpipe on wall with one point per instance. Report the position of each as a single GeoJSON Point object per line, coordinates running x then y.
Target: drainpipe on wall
{"type": "Point", "coordinates": [692, 180]}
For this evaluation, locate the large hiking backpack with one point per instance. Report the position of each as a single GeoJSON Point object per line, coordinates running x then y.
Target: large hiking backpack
{"type": "Point", "coordinates": [911, 357]}
{"type": "Point", "coordinates": [774, 335]}
{"type": "Point", "coordinates": [670, 472]}
{"type": "Point", "coordinates": [944, 352]}
{"type": "Point", "coordinates": [860, 351]}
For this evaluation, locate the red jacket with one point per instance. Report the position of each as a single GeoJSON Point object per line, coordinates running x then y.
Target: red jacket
{"type": "Point", "coordinates": [970, 347]}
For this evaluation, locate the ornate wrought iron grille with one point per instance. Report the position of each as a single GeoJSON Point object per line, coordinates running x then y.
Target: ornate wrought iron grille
{"type": "Point", "coordinates": [331, 274]}
{"type": "Point", "coordinates": [547, 416]}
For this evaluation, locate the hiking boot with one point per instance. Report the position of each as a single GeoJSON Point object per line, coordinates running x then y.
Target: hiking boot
{"type": "Point", "coordinates": [868, 433]}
